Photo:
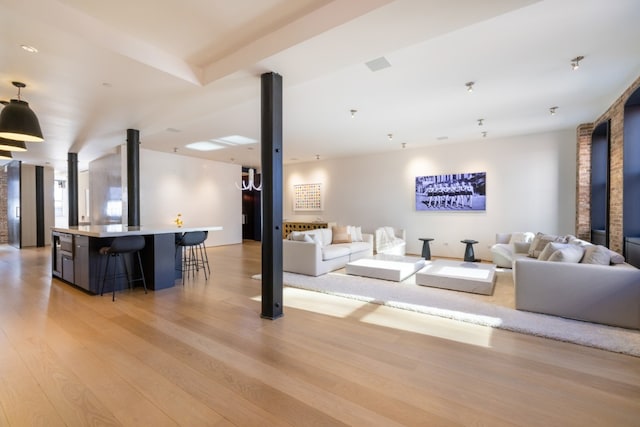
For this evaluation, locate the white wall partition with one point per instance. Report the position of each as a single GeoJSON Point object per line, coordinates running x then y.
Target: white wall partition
{"type": "Point", "coordinates": [203, 191]}
{"type": "Point", "coordinates": [530, 186]}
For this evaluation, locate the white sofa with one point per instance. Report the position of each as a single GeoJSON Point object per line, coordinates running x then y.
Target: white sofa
{"type": "Point", "coordinates": [318, 253]}
{"type": "Point", "coordinates": [568, 277]}
{"type": "Point", "coordinates": [608, 294]}
{"type": "Point", "coordinates": [510, 246]}
{"type": "Point", "coordinates": [391, 241]}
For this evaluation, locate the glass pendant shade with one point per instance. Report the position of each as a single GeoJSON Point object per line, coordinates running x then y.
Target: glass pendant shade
{"type": "Point", "coordinates": [12, 145]}
{"type": "Point", "coordinates": [5, 155]}
{"type": "Point", "coordinates": [19, 122]}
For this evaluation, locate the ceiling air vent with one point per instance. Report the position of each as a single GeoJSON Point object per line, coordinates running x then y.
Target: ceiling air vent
{"type": "Point", "coordinates": [378, 64]}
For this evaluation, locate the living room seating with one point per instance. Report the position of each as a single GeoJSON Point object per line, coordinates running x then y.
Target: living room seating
{"type": "Point", "coordinates": [568, 277]}
{"type": "Point", "coordinates": [608, 294]}
{"type": "Point", "coordinates": [320, 251]}
{"type": "Point", "coordinates": [390, 241]}
{"type": "Point", "coordinates": [510, 246]}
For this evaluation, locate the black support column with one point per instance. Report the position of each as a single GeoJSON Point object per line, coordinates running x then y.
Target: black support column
{"type": "Point", "coordinates": [133, 177]}
{"type": "Point", "coordinates": [40, 206]}
{"type": "Point", "coordinates": [72, 187]}
{"type": "Point", "coordinates": [271, 141]}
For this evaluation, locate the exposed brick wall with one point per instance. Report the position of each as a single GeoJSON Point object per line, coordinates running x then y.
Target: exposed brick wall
{"type": "Point", "coordinates": [4, 219]}
{"type": "Point", "coordinates": [615, 114]}
{"type": "Point", "coordinates": [583, 182]}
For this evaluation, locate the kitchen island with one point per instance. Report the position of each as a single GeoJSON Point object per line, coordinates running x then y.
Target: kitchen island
{"type": "Point", "coordinates": [76, 258]}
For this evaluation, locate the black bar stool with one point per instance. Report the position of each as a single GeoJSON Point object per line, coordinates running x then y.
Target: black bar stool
{"type": "Point", "coordinates": [119, 246]}
{"type": "Point", "coordinates": [194, 253]}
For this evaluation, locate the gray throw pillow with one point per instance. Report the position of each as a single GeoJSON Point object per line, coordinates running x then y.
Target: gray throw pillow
{"type": "Point", "coordinates": [596, 254]}
{"type": "Point", "coordinates": [569, 253]}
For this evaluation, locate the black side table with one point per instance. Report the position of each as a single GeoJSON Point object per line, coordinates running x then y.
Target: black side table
{"type": "Point", "coordinates": [469, 255]}
{"type": "Point", "coordinates": [426, 250]}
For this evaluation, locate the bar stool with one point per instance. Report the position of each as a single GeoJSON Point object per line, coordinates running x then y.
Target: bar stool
{"type": "Point", "coordinates": [194, 253]}
{"type": "Point", "coordinates": [120, 246]}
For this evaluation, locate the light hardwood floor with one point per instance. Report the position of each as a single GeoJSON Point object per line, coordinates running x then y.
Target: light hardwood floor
{"type": "Point", "coordinates": [201, 355]}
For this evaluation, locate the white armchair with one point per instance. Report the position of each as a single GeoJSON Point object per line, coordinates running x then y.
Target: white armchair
{"type": "Point", "coordinates": [510, 246]}
{"type": "Point", "coordinates": [389, 240]}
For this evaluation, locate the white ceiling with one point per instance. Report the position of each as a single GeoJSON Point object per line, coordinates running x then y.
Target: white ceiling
{"type": "Point", "coordinates": [182, 71]}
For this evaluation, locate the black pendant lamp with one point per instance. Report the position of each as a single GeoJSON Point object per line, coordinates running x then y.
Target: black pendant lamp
{"type": "Point", "coordinates": [18, 121]}
{"type": "Point", "coordinates": [5, 155]}
{"type": "Point", "coordinates": [11, 145]}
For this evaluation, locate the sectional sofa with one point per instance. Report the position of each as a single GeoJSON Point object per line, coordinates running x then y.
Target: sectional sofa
{"type": "Point", "coordinates": [568, 277]}
{"type": "Point", "coordinates": [316, 252]}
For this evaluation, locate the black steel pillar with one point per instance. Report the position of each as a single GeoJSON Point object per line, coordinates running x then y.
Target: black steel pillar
{"type": "Point", "coordinates": [271, 141]}
{"type": "Point", "coordinates": [39, 206]}
{"type": "Point", "coordinates": [133, 177]}
{"type": "Point", "coordinates": [72, 188]}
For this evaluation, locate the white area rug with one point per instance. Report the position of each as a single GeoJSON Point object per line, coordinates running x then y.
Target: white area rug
{"type": "Point", "coordinates": [493, 311]}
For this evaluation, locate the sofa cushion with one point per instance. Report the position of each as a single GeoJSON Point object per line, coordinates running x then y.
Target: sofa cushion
{"type": "Point", "coordinates": [340, 235]}
{"type": "Point", "coordinates": [616, 258]}
{"type": "Point", "coordinates": [359, 247]}
{"type": "Point", "coordinates": [355, 232]}
{"type": "Point", "coordinates": [300, 236]}
{"type": "Point", "coordinates": [521, 237]}
{"type": "Point", "coordinates": [596, 254]}
{"type": "Point", "coordinates": [541, 240]}
{"type": "Point", "coordinates": [335, 251]}
{"type": "Point", "coordinates": [568, 253]}
{"type": "Point", "coordinates": [550, 249]}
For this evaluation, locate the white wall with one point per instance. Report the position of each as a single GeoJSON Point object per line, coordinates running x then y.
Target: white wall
{"type": "Point", "coordinates": [203, 191]}
{"type": "Point", "coordinates": [530, 186]}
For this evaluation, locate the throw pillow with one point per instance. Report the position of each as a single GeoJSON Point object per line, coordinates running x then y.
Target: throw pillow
{"type": "Point", "coordinates": [521, 237]}
{"type": "Point", "coordinates": [616, 258]}
{"type": "Point", "coordinates": [541, 240]}
{"type": "Point", "coordinates": [596, 254]}
{"type": "Point", "coordinates": [521, 247]}
{"type": "Point", "coordinates": [355, 232]}
{"type": "Point", "coordinates": [340, 235]}
{"type": "Point", "coordinates": [570, 253]}
{"type": "Point", "coordinates": [549, 249]}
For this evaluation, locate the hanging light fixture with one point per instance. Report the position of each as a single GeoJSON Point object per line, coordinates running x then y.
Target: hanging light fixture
{"type": "Point", "coordinates": [250, 185]}
{"type": "Point", "coordinates": [5, 155]}
{"type": "Point", "coordinates": [11, 145]}
{"type": "Point", "coordinates": [18, 121]}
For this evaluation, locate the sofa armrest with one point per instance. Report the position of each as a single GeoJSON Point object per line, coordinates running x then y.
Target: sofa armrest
{"type": "Point", "coordinates": [301, 257]}
{"type": "Point", "coordinates": [595, 293]}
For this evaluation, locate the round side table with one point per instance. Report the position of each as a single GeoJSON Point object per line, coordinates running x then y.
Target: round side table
{"type": "Point", "coordinates": [469, 255]}
{"type": "Point", "coordinates": [426, 250]}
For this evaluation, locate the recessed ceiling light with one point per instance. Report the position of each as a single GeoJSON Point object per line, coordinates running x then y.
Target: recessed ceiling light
{"type": "Point", "coordinates": [575, 62]}
{"type": "Point", "coordinates": [174, 130]}
{"type": "Point", "coordinates": [204, 146]}
{"type": "Point", "coordinates": [469, 86]}
{"type": "Point", "coordinates": [553, 110]}
{"type": "Point", "coordinates": [480, 122]}
{"type": "Point", "coordinates": [442, 138]}
{"type": "Point", "coordinates": [28, 48]}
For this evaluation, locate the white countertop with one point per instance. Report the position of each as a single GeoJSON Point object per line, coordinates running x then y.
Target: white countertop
{"type": "Point", "coordinates": [114, 230]}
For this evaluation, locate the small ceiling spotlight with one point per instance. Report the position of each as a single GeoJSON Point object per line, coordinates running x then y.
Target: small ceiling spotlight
{"type": "Point", "coordinates": [469, 86]}
{"type": "Point", "coordinates": [575, 62]}
{"type": "Point", "coordinates": [390, 136]}
{"type": "Point", "coordinates": [317, 156]}
{"type": "Point", "coordinates": [353, 113]}
{"type": "Point", "coordinates": [404, 145]}
{"type": "Point", "coordinates": [480, 122]}
{"type": "Point", "coordinates": [553, 110]}
{"type": "Point", "coordinates": [484, 134]}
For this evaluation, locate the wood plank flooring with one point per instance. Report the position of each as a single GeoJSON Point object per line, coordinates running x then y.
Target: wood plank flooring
{"type": "Point", "coordinates": [200, 355]}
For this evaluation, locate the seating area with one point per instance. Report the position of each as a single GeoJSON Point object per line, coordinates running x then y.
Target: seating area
{"type": "Point", "coordinates": [390, 241]}
{"type": "Point", "coordinates": [316, 252]}
{"type": "Point", "coordinates": [569, 277]}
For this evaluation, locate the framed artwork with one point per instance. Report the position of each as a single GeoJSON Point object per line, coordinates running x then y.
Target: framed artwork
{"type": "Point", "coordinates": [307, 197]}
{"type": "Point", "coordinates": [453, 192]}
